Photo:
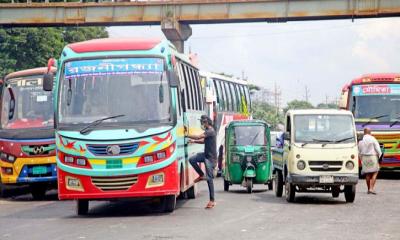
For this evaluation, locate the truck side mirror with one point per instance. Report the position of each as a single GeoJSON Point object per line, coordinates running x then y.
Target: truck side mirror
{"type": "Point", "coordinates": [173, 79]}
{"type": "Point", "coordinates": [48, 79]}
{"type": "Point", "coordinates": [286, 136]}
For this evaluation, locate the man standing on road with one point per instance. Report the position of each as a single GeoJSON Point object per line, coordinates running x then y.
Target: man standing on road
{"type": "Point", "coordinates": [209, 156]}
{"type": "Point", "coordinates": [370, 152]}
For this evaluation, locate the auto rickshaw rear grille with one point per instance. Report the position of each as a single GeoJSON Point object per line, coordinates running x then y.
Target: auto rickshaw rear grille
{"type": "Point", "coordinates": [325, 166]}
{"type": "Point", "coordinates": [114, 183]}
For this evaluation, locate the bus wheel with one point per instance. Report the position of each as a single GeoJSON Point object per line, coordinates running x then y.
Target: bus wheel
{"type": "Point", "coordinates": [2, 189]}
{"type": "Point", "coordinates": [82, 207]}
{"type": "Point", "coordinates": [192, 192]}
{"type": "Point", "coordinates": [169, 203]}
{"type": "Point", "coordinates": [350, 193]}
{"type": "Point", "coordinates": [38, 191]}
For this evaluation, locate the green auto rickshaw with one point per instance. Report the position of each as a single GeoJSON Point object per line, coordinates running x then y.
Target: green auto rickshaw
{"type": "Point", "coordinates": [247, 154]}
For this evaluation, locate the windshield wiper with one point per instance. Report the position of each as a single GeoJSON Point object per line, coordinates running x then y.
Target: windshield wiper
{"type": "Point", "coordinates": [395, 122]}
{"type": "Point", "coordinates": [92, 125]}
{"type": "Point", "coordinates": [343, 139]}
{"type": "Point", "coordinates": [322, 141]}
{"type": "Point", "coordinates": [374, 118]}
{"type": "Point", "coordinates": [303, 144]}
{"type": "Point", "coordinates": [255, 137]}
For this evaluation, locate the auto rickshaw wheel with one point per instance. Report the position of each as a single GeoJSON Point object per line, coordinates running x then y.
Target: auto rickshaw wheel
{"type": "Point", "coordinates": [350, 193]}
{"type": "Point", "coordinates": [226, 185]}
{"type": "Point", "coordinates": [270, 185]}
{"type": "Point", "coordinates": [290, 191]}
{"type": "Point", "coordinates": [335, 191]}
{"type": "Point", "coordinates": [278, 180]}
{"type": "Point", "coordinates": [249, 185]}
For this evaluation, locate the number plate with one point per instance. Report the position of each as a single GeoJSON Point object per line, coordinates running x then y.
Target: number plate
{"type": "Point", "coordinates": [114, 163]}
{"type": "Point", "coordinates": [39, 170]}
{"type": "Point", "coordinates": [326, 179]}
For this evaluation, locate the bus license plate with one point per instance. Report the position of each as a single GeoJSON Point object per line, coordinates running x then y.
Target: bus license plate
{"type": "Point", "coordinates": [326, 179]}
{"type": "Point", "coordinates": [39, 170]}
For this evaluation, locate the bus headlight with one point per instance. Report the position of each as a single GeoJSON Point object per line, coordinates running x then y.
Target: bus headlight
{"type": "Point", "coordinates": [301, 165]}
{"type": "Point", "coordinates": [350, 165]}
{"type": "Point", "coordinates": [7, 157]}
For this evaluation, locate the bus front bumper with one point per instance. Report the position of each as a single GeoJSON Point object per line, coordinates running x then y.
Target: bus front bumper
{"type": "Point", "coordinates": [157, 183]}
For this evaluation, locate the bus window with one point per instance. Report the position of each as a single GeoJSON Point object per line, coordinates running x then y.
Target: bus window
{"type": "Point", "coordinates": [216, 92]}
{"type": "Point", "coordinates": [222, 96]}
{"type": "Point", "coordinates": [189, 89]}
{"type": "Point", "coordinates": [246, 92]}
{"type": "Point", "coordinates": [228, 96]}
{"type": "Point", "coordinates": [186, 91]}
{"type": "Point", "coordinates": [237, 92]}
{"type": "Point", "coordinates": [234, 97]}
{"type": "Point", "coordinates": [195, 88]}
{"type": "Point", "coordinates": [200, 90]}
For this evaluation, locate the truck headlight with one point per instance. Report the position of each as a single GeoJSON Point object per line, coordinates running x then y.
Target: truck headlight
{"type": "Point", "coordinates": [350, 165]}
{"type": "Point", "coordinates": [301, 165]}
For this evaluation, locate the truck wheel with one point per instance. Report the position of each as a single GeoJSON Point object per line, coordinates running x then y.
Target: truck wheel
{"type": "Point", "coordinates": [38, 191]}
{"type": "Point", "coordinates": [278, 182]}
{"type": "Point", "coordinates": [192, 192]}
{"type": "Point", "coordinates": [226, 185]}
{"type": "Point", "coordinates": [290, 191]}
{"type": "Point", "coordinates": [249, 185]}
{"type": "Point", "coordinates": [169, 203]}
{"type": "Point", "coordinates": [82, 207]}
{"type": "Point", "coordinates": [350, 193]}
{"type": "Point", "coordinates": [335, 191]}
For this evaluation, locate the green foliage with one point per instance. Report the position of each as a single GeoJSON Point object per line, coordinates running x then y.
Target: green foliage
{"type": "Point", "coordinates": [327, 106]}
{"type": "Point", "coordinates": [268, 113]}
{"type": "Point", "coordinates": [254, 87]}
{"type": "Point", "coordinates": [24, 48]}
{"type": "Point", "coordinates": [298, 104]}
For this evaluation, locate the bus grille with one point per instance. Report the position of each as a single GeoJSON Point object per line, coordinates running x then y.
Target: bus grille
{"type": "Point", "coordinates": [114, 183]}
{"type": "Point", "coordinates": [325, 166]}
{"type": "Point", "coordinates": [101, 150]}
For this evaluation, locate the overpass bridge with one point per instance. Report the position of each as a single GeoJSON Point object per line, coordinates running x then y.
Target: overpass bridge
{"type": "Point", "coordinates": [175, 16]}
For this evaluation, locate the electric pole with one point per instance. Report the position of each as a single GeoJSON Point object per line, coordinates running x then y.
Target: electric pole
{"type": "Point", "coordinates": [307, 93]}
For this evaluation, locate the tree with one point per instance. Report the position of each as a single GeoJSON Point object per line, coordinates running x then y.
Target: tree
{"type": "Point", "coordinates": [298, 104]}
{"type": "Point", "coordinates": [24, 48]}
{"type": "Point", "coordinates": [266, 112]}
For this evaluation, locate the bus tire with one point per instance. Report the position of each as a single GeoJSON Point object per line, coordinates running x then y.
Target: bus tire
{"type": "Point", "coordinates": [2, 189]}
{"type": "Point", "coordinates": [192, 192]}
{"type": "Point", "coordinates": [38, 191]}
{"type": "Point", "coordinates": [169, 203]}
{"type": "Point", "coordinates": [278, 182]}
{"type": "Point", "coordinates": [82, 207]}
{"type": "Point", "coordinates": [350, 193]}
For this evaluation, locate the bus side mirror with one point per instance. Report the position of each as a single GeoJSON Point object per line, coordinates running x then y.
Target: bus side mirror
{"type": "Point", "coordinates": [48, 80]}
{"type": "Point", "coordinates": [173, 79]}
{"type": "Point", "coordinates": [286, 136]}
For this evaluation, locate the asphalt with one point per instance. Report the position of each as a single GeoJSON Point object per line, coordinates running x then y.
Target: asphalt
{"type": "Point", "coordinates": [238, 215]}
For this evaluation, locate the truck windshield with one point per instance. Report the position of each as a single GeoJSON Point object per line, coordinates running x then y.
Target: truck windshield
{"type": "Point", "coordinates": [327, 128]}
{"type": "Point", "coordinates": [25, 104]}
{"type": "Point", "coordinates": [136, 88]}
{"type": "Point", "coordinates": [249, 135]}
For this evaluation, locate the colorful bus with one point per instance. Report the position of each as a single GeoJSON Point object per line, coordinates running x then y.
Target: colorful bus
{"type": "Point", "coordinates": [120, 110]}
{"type": "Point", "coordinates": [374, 99]}
{"type": "Point", "coordinates": [27, 146]}
{"type": "Point", "coordinates": [227, 99]}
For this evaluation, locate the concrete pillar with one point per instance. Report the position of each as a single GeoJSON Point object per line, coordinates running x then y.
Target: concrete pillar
{"type": "Point", "coordinates": [176, 32]}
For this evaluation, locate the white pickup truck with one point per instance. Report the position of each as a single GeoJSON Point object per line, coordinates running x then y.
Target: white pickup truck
{"type": "Point", "coordinates": [319, 154]}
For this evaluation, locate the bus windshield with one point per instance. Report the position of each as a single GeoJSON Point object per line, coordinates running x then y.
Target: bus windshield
{"type": "Point", "coordinates": [25, 104]}
{"type": "Point", "coordinates": [324, 128]}
{"type": "Point", "coordinates": [249, 135]}
{"type": "Point", "coordinates": [136, 88]}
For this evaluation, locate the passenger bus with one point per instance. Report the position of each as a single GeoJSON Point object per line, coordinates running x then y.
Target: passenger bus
{"type": "Point", "coordinates": [227, 99]}
{"type": "Point", "coordinates": [120, 110]}
{"type": "Point", "coordinates": [27, 146]}
{"type": "Point", "coordinates": [374, 99]}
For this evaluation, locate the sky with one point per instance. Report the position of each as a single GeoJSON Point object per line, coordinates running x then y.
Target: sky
{"type": "Point", "coordinates": [318, 55]}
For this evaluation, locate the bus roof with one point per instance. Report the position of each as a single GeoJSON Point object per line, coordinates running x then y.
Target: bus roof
{"type": "Point", "coordinates": [28, 72]}
{"type": "Point", "coordinates": [377, 78]}
{"type": "Point", "coordinates": [223, 77]}
{"type": "Point", "coordinates": [112, 44]}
